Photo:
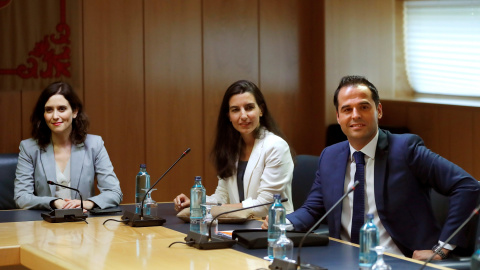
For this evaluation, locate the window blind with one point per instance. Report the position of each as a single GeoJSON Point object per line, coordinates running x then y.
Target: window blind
{"type": "Point", "coordinates": [442, 46]}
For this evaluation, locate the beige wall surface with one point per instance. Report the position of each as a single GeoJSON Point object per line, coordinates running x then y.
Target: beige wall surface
{"type": "Point", "coordinates": [152, 75]}
{"type": "Point", "coordinates": [359, 40]}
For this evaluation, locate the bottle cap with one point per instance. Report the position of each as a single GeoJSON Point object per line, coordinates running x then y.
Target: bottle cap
{"type": "Point", "coordinates": [144, 166]}
{"type": "Point", "coordinates": [277, 196]}
{"type": "Point", "coordinates": [198, 178]}
{"type": "Point", "coordinates": [369, 215]}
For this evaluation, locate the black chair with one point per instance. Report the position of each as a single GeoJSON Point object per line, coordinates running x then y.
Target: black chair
{"type": "Point", "coordinates": [460, 259]}
{"type": "Point", "coordinates": [303, 177]}
{"type": "Point", "coordinates": [8, 165]}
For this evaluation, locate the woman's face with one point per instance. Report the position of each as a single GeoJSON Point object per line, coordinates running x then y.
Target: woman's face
{"type": "Point", "coordinates": [58, 115]}
{"type": "Point", "coordinates": [244, 113]}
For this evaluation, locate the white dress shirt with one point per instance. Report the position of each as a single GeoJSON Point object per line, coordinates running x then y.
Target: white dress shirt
{"type": "Point", "coordinates": [370, 206]}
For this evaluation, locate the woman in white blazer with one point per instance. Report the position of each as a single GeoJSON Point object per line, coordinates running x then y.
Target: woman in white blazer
{"type": "Point", "coordinates": [62, 152]}
{"type": "Point", "coordinates": [248, 146]}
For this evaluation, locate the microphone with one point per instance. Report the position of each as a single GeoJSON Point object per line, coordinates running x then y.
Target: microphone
{"type": "Point", "coordinates": [78, 191]}
{"type": "Point", "coordinates": [201, 241]}
{"type": "Point", "coordinates": [65, 215]}
{"type": "Point", "coordinates": [136, 220]}
{"type": "Point", "coordinates": [474, 212]}
{"type": "Point", "coordinates": [279, 264]}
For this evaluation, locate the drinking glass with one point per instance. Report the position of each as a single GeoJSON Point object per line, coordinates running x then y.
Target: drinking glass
{"type": "Point", "coordinates": [380, 263]}
{"type": "Point", "coordinates": [149, 205]}
{"type": "Point", "coordinates": [207, 220]}
{"type": "Point", "coordinates": [283, 247]}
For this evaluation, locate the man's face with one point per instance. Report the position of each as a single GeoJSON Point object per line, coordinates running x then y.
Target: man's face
{"type": "Point", "coordinates": [357, 115]}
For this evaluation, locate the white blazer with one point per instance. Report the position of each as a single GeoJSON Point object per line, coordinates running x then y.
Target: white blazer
{"type": "Point", "coordinates": [269, 171]}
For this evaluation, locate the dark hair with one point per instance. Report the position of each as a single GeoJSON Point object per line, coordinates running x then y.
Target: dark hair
{"type": "Point", "coordinates": [353, 80]}
{"type": "Point", "coordinates": [228, 142]}
{"type": "Point", "coordinates": [40, 130]}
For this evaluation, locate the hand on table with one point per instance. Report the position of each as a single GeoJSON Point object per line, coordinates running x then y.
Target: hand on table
{"type": "Point", "coordinates": [70, 204]}
{"type": "Point", "coordinates": [265, 223]}
{"type": "Point", "coordinates": [181, 202]}
{"type": "Point", "coordinates": [424, 255]}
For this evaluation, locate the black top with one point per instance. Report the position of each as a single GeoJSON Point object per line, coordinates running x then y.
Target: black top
{"type": "Point", "coordinates": [242, 165]}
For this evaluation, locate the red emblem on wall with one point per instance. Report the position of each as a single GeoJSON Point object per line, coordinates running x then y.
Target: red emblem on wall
{"type": "Point", "coordinates": [4, 3]}
{"type": "Point", "coordinates": [52, 53]}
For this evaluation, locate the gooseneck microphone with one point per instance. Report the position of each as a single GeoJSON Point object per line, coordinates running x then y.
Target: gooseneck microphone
{"type": "Point", "coordinates": [474, 212]}
{"type": "Point", "coordinates": [279, 264]}
{"type": "Point", "coordinates": [78, 191]}
{"type": "Point", "coordinates": [201, 241]}
{"type": "Point", "coordinates": [136, 220]}
{"type": "Point", "coordinates": [65, 215]}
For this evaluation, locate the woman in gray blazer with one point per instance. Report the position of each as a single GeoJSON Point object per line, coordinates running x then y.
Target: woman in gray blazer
{"type": "Point", "coordinates": [252, 159]}
{"type": "Point", "coordinates": [61, 151]}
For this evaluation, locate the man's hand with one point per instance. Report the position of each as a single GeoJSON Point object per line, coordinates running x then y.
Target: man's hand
{"type": "Point", "coordinates": [424, 255]}
{"type": "Point", "coordinates": [181, 202]}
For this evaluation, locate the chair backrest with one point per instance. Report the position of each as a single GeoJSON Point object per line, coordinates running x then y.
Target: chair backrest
{"type": "Point", "coordinates": [303, 177]}
{"type": "Point", "coordinates": [440, 206]}
{"type": "Point", "coordinates": [8, 166]}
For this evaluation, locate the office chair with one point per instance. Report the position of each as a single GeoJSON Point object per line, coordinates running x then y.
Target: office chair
{"type": "Point", "coordinates": [460, 259]}
{"type": "Point", "coordinates": [303, 177]}
{"type": "Point", "coordinates": [8, 165]}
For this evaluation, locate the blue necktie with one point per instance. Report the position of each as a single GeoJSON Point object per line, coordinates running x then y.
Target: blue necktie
{"type": "Point", "coordinates": [358, 197]}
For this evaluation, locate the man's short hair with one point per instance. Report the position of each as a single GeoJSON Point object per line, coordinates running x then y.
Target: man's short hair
{"type": "Point", "coordinates": [353, 80]}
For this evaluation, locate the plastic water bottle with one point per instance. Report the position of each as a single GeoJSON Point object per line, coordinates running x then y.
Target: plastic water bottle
{"type": "Point", "coordinates": [276, 215]}
{"type": "Point", "coordinates": [142, 184]}
{"type": "Point", "coordinates": [197, 198]}
{"type": "Point", "coordinates": [369, 239]}
{"type": "Point", "coordinates": [475, 263]}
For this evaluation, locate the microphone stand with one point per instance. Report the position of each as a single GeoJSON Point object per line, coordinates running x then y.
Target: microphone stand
{"type": "Point", "coordinates": [136, 220]}
{"type": "Point", "coordinates": [65, 215]}
{"type": "Point", "coordinates": [279, 264]}
{"type": "Point", "coordinates": [474, 212]}
{"type": "Point", "coordinates": [201, 241]}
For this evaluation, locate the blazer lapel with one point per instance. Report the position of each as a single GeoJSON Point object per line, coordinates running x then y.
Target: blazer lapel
{"type": "Point", "coordinates": [252, 164]}
{"type": "Point", "coordinates": [381, 157]}
{"type": "Point", "coordinates": [338, 169]}
{"type": "Point", "coordinates": [49, 165]}
{"type": "Point", "coordinates": [76, 165]}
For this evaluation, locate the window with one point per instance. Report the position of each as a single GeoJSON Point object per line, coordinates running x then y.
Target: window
{"type": "Point", "coordinates": [442, 46]}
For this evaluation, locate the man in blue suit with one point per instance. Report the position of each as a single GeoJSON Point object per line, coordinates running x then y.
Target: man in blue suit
{"type": "Point", "coordinates": [399, 172]}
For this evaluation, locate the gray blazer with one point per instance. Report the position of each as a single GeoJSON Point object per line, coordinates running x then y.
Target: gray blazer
{"type": "Point", "coordinates": [88, 161]}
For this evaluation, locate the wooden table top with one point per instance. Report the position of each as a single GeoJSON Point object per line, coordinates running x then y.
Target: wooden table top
{"type": "Point", "coordinates": [38, 244]}
{"type": "Point", "coordinates": [77, 245]}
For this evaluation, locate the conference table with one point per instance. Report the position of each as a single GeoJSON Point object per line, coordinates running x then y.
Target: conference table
{"type": "Point", "coordinates": [26, 239]}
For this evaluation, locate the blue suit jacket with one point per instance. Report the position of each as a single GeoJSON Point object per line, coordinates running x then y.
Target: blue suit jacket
{"type": "Point", "coordinates": [88, 161]}
{"type": "Point", "coordinates": [404, 172]}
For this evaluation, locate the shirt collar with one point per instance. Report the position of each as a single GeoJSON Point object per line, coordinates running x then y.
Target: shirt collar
{"type": "Point", "coordinates": [368, 150]}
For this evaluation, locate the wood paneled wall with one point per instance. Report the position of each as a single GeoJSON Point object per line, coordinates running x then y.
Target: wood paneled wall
{"type": "Point", "coordinates": [450, 131]}
{"type": "Point", "coordinates": [152, 75]}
